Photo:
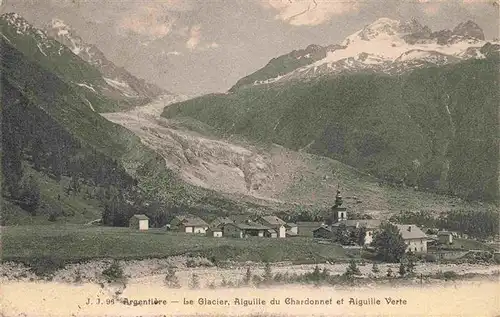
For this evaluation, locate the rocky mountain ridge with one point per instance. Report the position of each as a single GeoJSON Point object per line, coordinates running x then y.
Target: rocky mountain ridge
{"type": "Point", "coordinates": [118, 77]}
{"type": "Point", "coordinates": [384, 46]}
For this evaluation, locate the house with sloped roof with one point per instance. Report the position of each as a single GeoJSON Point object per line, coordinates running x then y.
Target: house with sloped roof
{"type": "Point", "coordinates": [139, 222]}
{"type": "Point", "coordinates": [275, 223]}
{"type": "Point", "coordinates": [306, 228]}
{"type": "Point", "coordinates": [189, 224]}
{"type": "Point", "coordinates": [292, 229]}
{"type": "Point", "coordinates": [445, 237]}
{"type": "Point", "coordinates": [214, 232]}
{"type": "Point", "coordinates": [245, 230]}
{"type": "Point", "coordinates": [414, 237]}
{"type": "Point", "coordinates": [217, 222]}
{"type": "Point", "coordinates": [323, 232]}
{"type": "Point", "coordinates": [370, 226]}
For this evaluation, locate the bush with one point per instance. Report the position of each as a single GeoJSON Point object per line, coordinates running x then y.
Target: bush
{"type": "Point", "coordinates": [194, 283]}
{"type": "Point", "coordinates": [46, 266]}
{"type": "Point", "coordinates": [448, 275]}
{"type": "Point", "coordinates": [375, 268]}
{"type": "Point", "coordinates": [389, 272]}
{"type": "Point", "coordinates": [113, 272]}
{"type": "Point", "coordinates": [256, 280]}
{"type": "Point", "coordinates": [402, 269]}
{"type": "Point", "coordinates": [248, 276]}
{"type": "Point", "coordinates": [78, 276]}
{"type": "Point", "coordinates": [268, 274]}
{"type": "Point", "coordinates": [352, 269]}
{"type": "Point", "coordinates": [430, 258]}
{"type": "Point", "coordinates": [171, 279]}
{"type": "Point", "coordinates": [190, 263]}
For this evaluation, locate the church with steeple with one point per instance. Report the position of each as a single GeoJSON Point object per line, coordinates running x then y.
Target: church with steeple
{"type": "Point", "coordinates": [339, 212]}
{"type": "Point", "coordinates": [339, 215]}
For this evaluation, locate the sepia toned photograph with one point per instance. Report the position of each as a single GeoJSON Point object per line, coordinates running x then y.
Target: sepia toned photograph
{"type": "Point", "coordinates": [254, 158]}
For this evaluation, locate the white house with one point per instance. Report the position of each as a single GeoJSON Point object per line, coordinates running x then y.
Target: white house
{"type": "Point", "coordinates": [140, 222]}
{"type": "Point", "coordinates": [214, 232]}
{"type": "Point", "coordinates": [415, 239]}
{"type": "Point", "coordinates": [445, 237]}
{"type": "Point", "coordinates": [189, 224]}
{"type": "Point", "coordinates": [275, 223]}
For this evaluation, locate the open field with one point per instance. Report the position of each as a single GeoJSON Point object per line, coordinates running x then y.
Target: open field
{"type": "Point", "coordinates": [76, 242]}
{"type": "Point", "coordinates": [468, 244]}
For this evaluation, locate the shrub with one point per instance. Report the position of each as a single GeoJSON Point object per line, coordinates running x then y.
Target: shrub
{"type": "Point", "coordinates": [389, 272]}
{"type": "Point", "coordinates": [224, 282]}
{"type": "Point", "coordinates": [268, 274]}
{"type": "Point", "coordinates": [278, 277]}
{"type": "Point", "coordinates": [375, 268]}
{"type": "Point", "coordinates": [46, 266]}
{"type": "Point", "coordinates": [52, 217]}
{"type": "Point", "coordinates": [450, 275]}
{"type": "Point", "coordinates": [248, 276]}
{"type": "Point", "coordinates": [402, 269]}
{"type": "Point", "coordinates": [352, 269]}
{"type": "Point", "coordinates": [256, 280]}
{"type": "Point", "coordinates": [430, 258]}
{"type": "Point", "coordinates": [171, 279]}
{"type": "Point", "coordinates": [447, 275]}
{"type": "Point", "coordinates": [78, 276]}
{"type": "Point", "coordinates": [194, 283]}
{"type": "Point", "coordinates": [113, 272]}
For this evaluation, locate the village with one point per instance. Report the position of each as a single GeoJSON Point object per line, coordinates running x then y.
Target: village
{"type": "Point", "coordinates": [270, 226]}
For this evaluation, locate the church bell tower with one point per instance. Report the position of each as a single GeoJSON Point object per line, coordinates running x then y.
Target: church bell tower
{"type": "Point", "coordinates": [339, 212]}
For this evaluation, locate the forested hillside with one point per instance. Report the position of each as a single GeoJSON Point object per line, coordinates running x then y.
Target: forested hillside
{"type": "Point", "coordinates": [61, 161]}
{"type": "Point", "coordinates": [435, 128]}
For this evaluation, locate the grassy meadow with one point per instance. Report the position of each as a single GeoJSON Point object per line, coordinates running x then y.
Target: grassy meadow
{"type": "Point", "coordinates": [73, 243]}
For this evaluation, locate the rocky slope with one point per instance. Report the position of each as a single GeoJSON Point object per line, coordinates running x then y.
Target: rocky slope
{"type": "Point", "coordinates": [105, 87]}
{"type": "Point", "coordinates": [117, 77]}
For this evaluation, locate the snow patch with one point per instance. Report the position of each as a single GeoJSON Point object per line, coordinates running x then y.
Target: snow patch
{"type": "Point", "coordinates": [90, 104]}
{"type": "Point", "coordinates": [268, 81]}
{"type": "Point", "coordinates": [86, 86]}
{"type": "Point", "coordinates": [6, 38]}
{"type": "Point", "coordinates": [41, 50]}
{"type": "Point", "coordinates": [123, 87]}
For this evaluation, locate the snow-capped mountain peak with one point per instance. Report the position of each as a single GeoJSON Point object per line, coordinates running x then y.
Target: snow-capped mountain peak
{"type": "Point", "coordinates": [391, 46]}
{"type": "Point", "coordinates": [117, 78]}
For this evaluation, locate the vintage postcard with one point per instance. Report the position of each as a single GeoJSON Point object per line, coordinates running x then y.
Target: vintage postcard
{"type": "Point", "coordinates": [250, 158]}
